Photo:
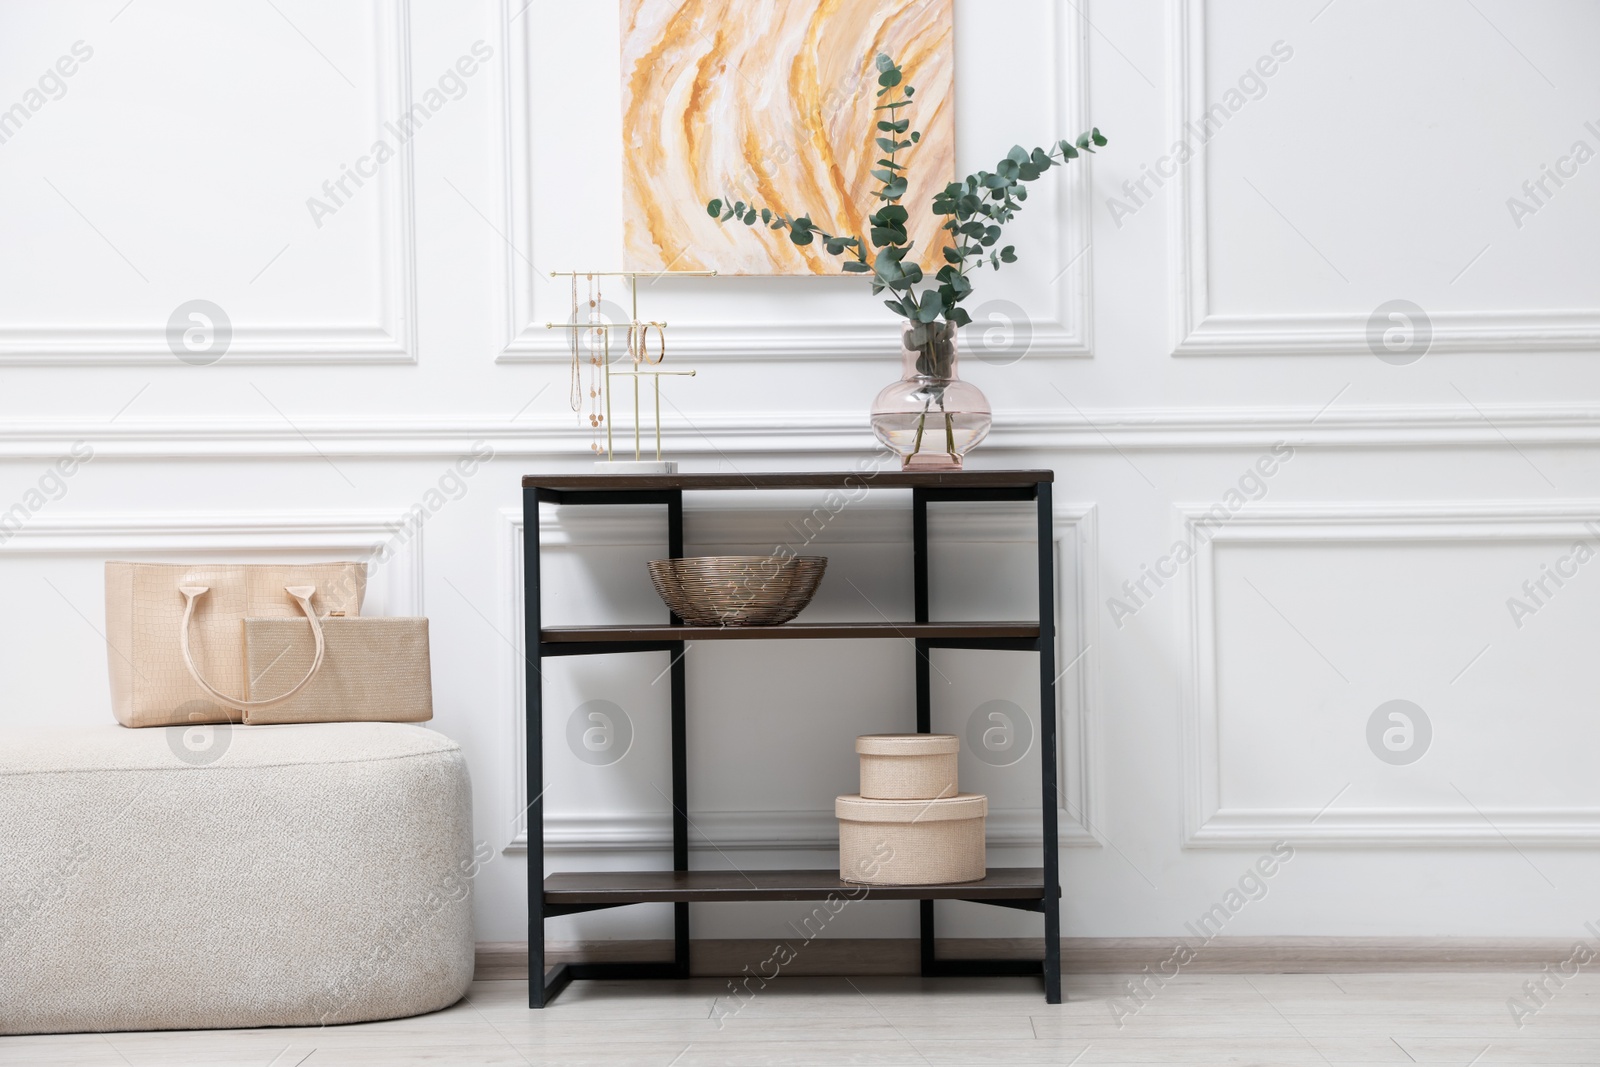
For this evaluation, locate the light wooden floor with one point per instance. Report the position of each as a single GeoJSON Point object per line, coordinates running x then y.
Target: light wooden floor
{"type": "Point", "coordinates": [1276, 1020]}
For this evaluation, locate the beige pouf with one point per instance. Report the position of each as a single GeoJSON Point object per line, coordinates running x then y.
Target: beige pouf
{"type": "Point", "coordinates": [232, 876]}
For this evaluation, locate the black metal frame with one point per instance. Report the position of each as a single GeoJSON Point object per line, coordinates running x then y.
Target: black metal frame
{"type": "Point", "coordinates": [540, 992]}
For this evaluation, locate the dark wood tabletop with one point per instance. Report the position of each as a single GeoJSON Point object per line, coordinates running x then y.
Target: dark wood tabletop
{"type": "Point", "coordinates": [794, 480]}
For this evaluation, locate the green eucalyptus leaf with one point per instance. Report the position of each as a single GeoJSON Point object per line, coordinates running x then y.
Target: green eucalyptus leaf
{"type": "Point", "coordinates": [766, 214]}
{"type": "Point", "coordinates": [1008, 254]}
{"type": "Point", "coordinates": [1067, 151]}
{"type": "Point", "coordinates": [885, 144]}
{"type": "Point", "coordinates": [885, 64]}
{"type": "Point", "coordinates": [889, 78]}
{"type": "Point", "coordinates": [1018, 154]}
{"type": "Point", "coordinates": [855, 266]}
{"type": "Point", "coordinates": [714, 208]}
{"type": "Point", "coordinates": [1097, 137]}
{"type": "Point", "coordinates": [960, 317]}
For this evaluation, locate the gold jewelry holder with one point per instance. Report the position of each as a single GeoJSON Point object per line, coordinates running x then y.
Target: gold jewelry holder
{"type": "Point", "coordinates": [638, 337]}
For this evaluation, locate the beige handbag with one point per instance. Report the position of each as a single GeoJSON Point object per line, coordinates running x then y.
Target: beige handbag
{"type": "Point", "coordinates": [175, 632]}
{"type": "Point", "coordinates": [373, 670]}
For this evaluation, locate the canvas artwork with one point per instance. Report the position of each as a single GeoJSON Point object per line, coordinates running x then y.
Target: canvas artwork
{"type": "Point", "coordinates": [769, 102]}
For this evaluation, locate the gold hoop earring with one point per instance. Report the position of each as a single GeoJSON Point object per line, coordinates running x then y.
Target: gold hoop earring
{"type": "Point", "coordinates": [661, 343]}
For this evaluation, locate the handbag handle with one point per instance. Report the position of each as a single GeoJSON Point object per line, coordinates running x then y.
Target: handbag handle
{"type": "Point", "coordinates": [302, 596]}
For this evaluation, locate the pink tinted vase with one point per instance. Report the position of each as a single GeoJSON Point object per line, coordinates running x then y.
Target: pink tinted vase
{"type": "Point", "coordinates": [930, 418]}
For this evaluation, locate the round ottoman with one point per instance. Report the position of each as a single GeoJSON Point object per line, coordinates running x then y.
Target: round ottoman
{"type": "Point", "coordinates": [241, 876]}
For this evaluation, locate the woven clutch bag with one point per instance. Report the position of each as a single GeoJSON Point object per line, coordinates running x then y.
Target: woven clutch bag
{"type": "Point", "coordinates": [374, 669]}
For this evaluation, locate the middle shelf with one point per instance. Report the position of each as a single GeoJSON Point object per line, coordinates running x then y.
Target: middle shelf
{"type": "Point", "coordinates": [793, 631]}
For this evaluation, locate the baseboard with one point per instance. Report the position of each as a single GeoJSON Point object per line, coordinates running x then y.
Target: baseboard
{"type": "Point", "coordinates": [508, 960]}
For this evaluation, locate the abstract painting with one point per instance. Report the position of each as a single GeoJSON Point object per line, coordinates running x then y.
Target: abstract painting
{"type": "Point", "coordinates": [770, 102]}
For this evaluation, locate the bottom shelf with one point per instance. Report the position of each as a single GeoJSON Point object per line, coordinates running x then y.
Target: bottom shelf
{"type": "Point", "coordinates": [662, 887]}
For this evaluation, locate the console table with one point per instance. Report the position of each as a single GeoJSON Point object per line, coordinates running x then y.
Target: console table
{"type": "Point", "coordinates": [1028, 888]}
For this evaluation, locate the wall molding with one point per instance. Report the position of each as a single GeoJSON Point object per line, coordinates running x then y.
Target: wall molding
{"type": "Point", "coordinates": [358, 535]}
{"type": "Point", "coordinates": [1196, 331]}
{"type": "Point", "coordinates": [1207, 824]}
{"type": "Point", "coordinates": [750, 435]}
{"type": "Point", "coordinates": [777, 831]}
{"type": "Point", "coordinates": [390, 340]}
{"type": "Point", "coordinates": [1067, 335]}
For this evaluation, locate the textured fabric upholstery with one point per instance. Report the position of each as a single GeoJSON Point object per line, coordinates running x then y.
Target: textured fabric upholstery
{"type": "Point", "coordinates": [232, 877]}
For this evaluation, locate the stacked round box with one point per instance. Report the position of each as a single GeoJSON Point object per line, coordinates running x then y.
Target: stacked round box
{"type": "Point", "coordinates": [910, 824]}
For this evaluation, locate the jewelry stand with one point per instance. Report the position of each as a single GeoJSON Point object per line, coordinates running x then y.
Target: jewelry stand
{"type": "Point", "coordinates": [598, 332]}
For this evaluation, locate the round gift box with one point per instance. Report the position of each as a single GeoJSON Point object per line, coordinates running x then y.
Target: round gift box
{"type": "Point", "coordinates": [908, 766]}
{"type": "Point", "coordinates": [911, 842]}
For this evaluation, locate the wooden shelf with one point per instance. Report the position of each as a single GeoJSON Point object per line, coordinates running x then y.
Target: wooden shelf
{"type": "Point", "coordinates": [792, 480]}
{"type": "Point", "coordinates": [804, 631]}
{"type": "Point", "coordinates": [661, 887]}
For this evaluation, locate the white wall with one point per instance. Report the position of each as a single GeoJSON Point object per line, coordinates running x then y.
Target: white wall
{"type": "Point", "coordinates": [1212, 319]}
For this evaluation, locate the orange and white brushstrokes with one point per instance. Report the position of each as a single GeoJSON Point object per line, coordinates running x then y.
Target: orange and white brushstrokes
{"type": "Point", "coordinates": [770, 102]}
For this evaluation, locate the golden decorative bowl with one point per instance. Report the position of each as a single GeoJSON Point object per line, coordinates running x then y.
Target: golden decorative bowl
{"type": "Point", "coordinates": [737, 590]}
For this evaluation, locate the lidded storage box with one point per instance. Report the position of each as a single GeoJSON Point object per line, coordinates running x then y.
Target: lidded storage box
{"type": "Point", "coordinates": [910, 824]}
{"type": "Point", "coordinates": [908, 766]}
{"type": "Point", "coordinates": [911, 842]}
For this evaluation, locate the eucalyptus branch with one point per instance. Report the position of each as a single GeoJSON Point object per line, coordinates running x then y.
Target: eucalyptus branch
{"type": "Point", "coordinates": [975, 209]}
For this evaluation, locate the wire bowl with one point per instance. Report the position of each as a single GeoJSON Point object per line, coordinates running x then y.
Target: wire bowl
{"type": "Point", "coordinates": [737, 590]}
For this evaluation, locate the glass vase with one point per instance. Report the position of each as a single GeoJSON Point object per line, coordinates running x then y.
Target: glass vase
{"type": "Point", "coordinates": [930, 418]}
